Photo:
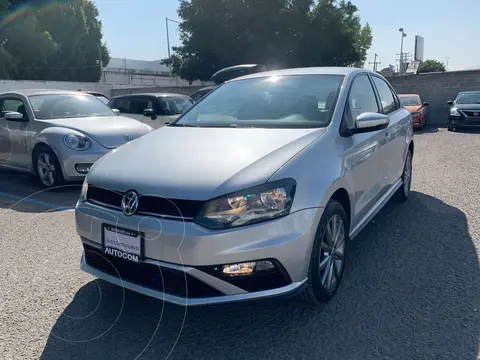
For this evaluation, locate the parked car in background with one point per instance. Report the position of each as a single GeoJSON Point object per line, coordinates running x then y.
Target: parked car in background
{"type": "Point", "coordinates": [199, 94]}
{"type": "Point", "coordinates": [153, 109]}
{"type": "Point", "coordinates": [98, 95]}
{"type": "Point", "coordinates": [226, 74]}
{"type": "Point", "coordinates": [418, 109]}
{"type": "Point", "coordinates": [258, 189]}
{"type": "Point", "coordinates": [58, 135]}
{"type": "Point", "coordinates": [464, 110]}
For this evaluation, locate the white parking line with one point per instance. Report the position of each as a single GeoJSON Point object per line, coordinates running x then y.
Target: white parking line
{"type": "Point", "coordinates": [37, 202]}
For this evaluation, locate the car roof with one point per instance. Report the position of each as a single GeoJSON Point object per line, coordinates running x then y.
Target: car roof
{"type": "Point", "coordinates": [152, 94]}
{"type": "Point", "coordinates": [408, 95]}
{"type": "Point", "coordinates": [30, 92]}
{"type": "Point", "coordinates": [469, 92]}
{"type": "Point", "coordinates": [327, 70]}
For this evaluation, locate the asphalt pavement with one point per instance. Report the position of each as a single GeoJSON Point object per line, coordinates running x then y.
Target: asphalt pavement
{"type": "Point", "coordinates": [411, 288]}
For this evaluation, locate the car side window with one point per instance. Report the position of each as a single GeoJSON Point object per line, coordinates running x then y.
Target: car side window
{"type": "Point", "coordinates": [123, 105]}
{"type": "Point", "coordinates": [361, 98]}
{"type": "Point", "coordinates": [387, 98]}
{"type": "Point", "coordinates": [12, 104]}
{"type": "Point", "coordinates": [140, 104]}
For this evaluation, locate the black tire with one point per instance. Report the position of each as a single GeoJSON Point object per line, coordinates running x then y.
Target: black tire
{"type": "Point", "coordinates": [316, 292]}
{"type": "Point", "coordinates": [58, 179]}
{"type": "Point", "coordinates": [450, 128]}
{"type": "Point", "coordinates": [404, 191]}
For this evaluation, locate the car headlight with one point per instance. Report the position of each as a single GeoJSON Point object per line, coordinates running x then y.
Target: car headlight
{"type": "Point", "coordinates": [454, 112]}
{"type": "Point", "coordinates": [259, 203]}
{"type": "Point", "coordinates": [416, 113]}
{"type": "Point", "coordinates": [83, 193]}
{"type": "Point", "coordinates": [77, 142]}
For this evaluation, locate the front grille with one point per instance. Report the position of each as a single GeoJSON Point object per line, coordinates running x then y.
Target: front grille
{"type": "Point", "coordinates": [471, 113]}
{"type": "Point", "coordinates": [147, 205]}
{"type": "Point", "coordinates": [166, 280]}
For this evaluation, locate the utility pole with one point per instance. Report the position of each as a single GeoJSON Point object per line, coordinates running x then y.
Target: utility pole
{"type": "Point", "coordinates": [375, 62]}
{"type": "Point", "coordinates": [401, 72]}
{"type": "Point", "coordinates": [100, 61]}
{"type": "Point", "coordinates": [446, 63]}
{"type": "Point", "coordinates": [168, 41]}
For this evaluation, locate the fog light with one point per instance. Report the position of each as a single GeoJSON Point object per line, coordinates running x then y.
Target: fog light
{"type": "Point", "coordinates": [248, 268]}
{"type": "Point", "coordinates": [83, 168]}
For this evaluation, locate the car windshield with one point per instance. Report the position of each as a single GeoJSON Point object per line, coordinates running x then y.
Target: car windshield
{"type": "Point", "coordinates": [468, 98]}
{"type": "Point", "coordinates": [175, 105]}
{"type": "Point", "coordinates": [410, 100]}
{"type": "Point", "coordinates": [59, 106]}
{"type": "Point", "coordinates": [292, 101]}
{"type": "Point", "coordinates": [102, 98]}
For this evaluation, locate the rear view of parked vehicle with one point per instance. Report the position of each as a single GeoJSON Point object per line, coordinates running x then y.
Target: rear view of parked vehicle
{"type": "Point", "coordinates": [226, 74]}
{"type": "Point", "coordinates": [153, 109]}
{"type": "Point", "coordinates": [464, 110]}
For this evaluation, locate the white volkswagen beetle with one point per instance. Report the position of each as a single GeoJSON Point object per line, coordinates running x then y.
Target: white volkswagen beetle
{"type": "Point", "coordinates": [58, 135]}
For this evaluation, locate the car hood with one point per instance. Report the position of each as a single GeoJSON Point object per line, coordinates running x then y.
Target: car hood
{"type": "Point", "coordinates": [413, 108]}
{"type": "Point", "coordinates": [109, 131]}
{"type": "Point", "coordinates": [199, 163]}
{"type": "Point", "coordinates": [467, 106]}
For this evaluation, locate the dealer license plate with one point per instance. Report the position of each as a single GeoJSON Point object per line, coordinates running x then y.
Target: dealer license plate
{"type": "Point", "coordinates": [122, 243]}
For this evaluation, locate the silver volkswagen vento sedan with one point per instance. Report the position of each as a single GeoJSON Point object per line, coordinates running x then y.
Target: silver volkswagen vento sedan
{"type": "Point", "coordinates": [252, 193]}
{"type": "Point", "coordinates": [58, 134]}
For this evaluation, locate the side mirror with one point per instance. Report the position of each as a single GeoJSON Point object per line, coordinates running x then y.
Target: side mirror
{"type": "Point", "coordinates": [14, 116]}
{"type": "Point", "coordinates": [426, 104]}
{"type": "Point", "coordinates": [148, 112]}
{"type": "Point", "coordinates": [450, 102]}
{"type": "Point", "coordinates": [369, 121]}
{"type": "Point", "coordinates": [116, 111]}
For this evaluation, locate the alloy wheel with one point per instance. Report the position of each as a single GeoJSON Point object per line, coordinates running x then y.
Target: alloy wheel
{"type": "Point", "coordinates": [46, 169]}
{"type": "Point", "coordinates": [332, 252]}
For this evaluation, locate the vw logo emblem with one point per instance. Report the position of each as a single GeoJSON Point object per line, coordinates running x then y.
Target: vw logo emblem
{"type": "Point", "coordinates": [130, 203]}
{"type": "Point", "coordinates": [128, 137]}
{"type": "Point", "coordinates": [475, 114]}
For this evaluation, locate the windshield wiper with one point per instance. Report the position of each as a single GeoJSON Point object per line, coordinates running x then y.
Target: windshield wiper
{"type": "Point", "coordinates": [182, 125]}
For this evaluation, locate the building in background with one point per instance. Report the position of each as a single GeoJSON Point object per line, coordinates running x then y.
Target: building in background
{"type": "Point", "coordinates": [139, 72]}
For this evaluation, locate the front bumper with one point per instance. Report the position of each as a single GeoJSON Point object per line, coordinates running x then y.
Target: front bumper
{"type": "Point", "coordinates": [185, 252]}
{"type": "Point", "coordinates": [464, 121]}
{"type": "Point", "coordinates": [285, 291]}
{"type": "Point", "coordinates": [69, 159]}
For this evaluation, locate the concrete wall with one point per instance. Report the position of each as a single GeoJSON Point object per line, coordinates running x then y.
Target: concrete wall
{"type": "Point", "coordinates": [130, 78]}
{"type": "Point", "coordinates": [11, 85]}
{"type": "Point", "coordinates": [437, 89]}
{"type": "Point", "coordinates": [109, 90]}
{"type": "Point", "coordinates": [185, 90]}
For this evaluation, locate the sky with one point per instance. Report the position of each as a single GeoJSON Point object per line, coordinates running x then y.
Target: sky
{"type": "Point", "coordinates": [137, 29]}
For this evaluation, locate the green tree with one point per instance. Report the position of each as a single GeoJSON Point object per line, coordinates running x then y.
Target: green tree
{"type": "Point", "coordinates": [428, 66]}
{"type": "Point", "coordinates": [62, 44]}
{"type": "Point", "coordinates": [277, 33]}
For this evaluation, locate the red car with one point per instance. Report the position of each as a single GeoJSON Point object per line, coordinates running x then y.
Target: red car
{"type": "Point", "coordinates": [413, 103]}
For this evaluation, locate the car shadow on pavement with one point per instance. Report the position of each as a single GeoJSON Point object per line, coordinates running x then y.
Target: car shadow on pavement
{"type": "Point", "coordinates": [22, 192]}
{"type": "Point", "coordinates": [411, 291]}
{"type": "Point", "coordinates": [427, 129]}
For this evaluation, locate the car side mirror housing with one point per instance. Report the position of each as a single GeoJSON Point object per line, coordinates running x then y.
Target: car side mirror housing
{"type": "Point", "coordinates": [426, 104]}
{"type": "Point", "coordinates": [370, 121]}
{"type": "Point", "coordinates": [116, 111]}
{"type": "Point", "coordinates": [14, 116]}
{"type": "Point", "coordinates": [148, 112]}
{"type": "Point", "coordinates": [450, 102]}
